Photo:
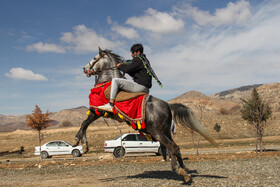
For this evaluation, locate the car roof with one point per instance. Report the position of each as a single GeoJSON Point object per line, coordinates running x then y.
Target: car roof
{"type": "Point", "coordinates": [57, 141]}
{"type": "Point", "coordinates": [131, 133]}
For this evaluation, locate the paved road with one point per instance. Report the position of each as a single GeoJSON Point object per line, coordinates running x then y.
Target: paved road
{"type": "Point", "coordinates": [102, 155]}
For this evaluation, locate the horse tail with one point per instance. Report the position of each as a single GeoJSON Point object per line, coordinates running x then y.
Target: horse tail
{"type": "Point", "coordinates": [184, 116]}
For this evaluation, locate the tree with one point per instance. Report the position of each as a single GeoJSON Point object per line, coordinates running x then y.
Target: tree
{"type": "Point", "coordinates": [256, 112]}
{"type": "Point", "coordinates": [38, 121]}
{"type": "Point", "coordinates": [217, 128]}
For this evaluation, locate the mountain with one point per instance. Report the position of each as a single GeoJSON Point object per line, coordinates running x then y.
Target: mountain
{"type": "Point", "coordinates": [75, 116]}
{"type": "Point", "coordinates": [269, 92]}
{"type": "Point", "coordinates": [230, 100]}
{"type": "Point", "coordinates": [225, 102]}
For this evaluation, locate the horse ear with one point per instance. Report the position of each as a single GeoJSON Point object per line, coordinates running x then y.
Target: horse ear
{"type": "Point", "coordinates": [100, 51]}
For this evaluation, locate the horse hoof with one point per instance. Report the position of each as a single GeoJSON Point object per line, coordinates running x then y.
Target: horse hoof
{"type": "Point", "coordinates": [182, 172]}
{"type": "Point", "coordinates": [187, 170]}
{"type": "Point", "coordinates": [85, 149]}
{"type": "Point", "coordinates": [187, 178]}
{"type": "Point", "coordinates": [76, 142]}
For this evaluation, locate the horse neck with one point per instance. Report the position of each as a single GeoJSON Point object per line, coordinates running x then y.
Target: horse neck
{"type": "Point", "coordinates": [108, 75]}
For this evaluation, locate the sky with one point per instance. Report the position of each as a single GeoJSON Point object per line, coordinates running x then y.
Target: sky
{"type": "Point", "coordinates": [207, 46]}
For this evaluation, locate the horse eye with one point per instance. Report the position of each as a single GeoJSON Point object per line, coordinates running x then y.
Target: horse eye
{"type": "Point", "coordinates": [94, 58]}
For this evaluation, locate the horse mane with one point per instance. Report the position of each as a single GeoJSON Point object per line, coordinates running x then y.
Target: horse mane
{"type": "Point", "coordinates": [114, 55]}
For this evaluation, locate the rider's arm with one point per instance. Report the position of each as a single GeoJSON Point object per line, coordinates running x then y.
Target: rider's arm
{"type": "Point", "coordinates": [131, 67]}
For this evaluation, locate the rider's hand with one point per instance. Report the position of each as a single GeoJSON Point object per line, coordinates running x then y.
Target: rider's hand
{"type": "Point", "coordinates": [118, 65]}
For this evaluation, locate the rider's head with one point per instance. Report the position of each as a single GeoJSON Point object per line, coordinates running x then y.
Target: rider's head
{"type": "Point", "coordinates": [137, 48]}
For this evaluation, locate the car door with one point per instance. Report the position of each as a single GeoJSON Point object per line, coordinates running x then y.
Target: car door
{"type": "Point", "coordinates": [145, 145]}
{"type": "Point", "coordinates": [52, 148]}
{"type": "Point", "coordinates": [129, 143]}
{"type": "Point", "coordinates": [64, 148]}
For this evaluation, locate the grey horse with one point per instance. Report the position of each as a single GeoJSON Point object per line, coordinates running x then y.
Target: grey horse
{"type": "Point", "coordinates": [158, 115]}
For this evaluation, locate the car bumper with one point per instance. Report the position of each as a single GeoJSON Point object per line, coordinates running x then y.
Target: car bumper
{"type": "Point", "coordinates": [109, 149]}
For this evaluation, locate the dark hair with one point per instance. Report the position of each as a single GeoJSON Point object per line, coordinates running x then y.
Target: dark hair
{"type": "Point", "coordinates": [136, 48]}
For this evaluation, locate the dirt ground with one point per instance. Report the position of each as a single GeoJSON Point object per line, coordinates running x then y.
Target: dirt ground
{"type": "Point", "coordinates": [234, 163]}
{"type": "Point", "coordinates": [230, 169]}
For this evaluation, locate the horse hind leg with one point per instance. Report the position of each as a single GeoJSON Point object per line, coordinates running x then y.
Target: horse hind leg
{"type": "Point", "coordinates": [175, 153]}
{"type": "Point", "coordinates": [181, 170]}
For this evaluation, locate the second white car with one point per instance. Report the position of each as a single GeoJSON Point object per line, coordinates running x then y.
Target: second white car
{"type": "Point", "coordinates": [131, 143]}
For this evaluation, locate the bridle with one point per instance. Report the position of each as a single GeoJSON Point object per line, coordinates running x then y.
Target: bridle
{"type": "Point", "coordinates": [100, 71]}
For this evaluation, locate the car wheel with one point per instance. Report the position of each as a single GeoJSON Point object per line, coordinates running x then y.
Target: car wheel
{"type": "Point", "coordinates": [119, 152]}
{"type": "Point", "coordinates": [44, 154]}
{"type": "Point", "coordinates": [76, 153]}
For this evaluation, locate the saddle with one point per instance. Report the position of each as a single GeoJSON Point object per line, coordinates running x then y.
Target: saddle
{"type": "Point", "coordinates": [122, 95]}
{"type": "Point", "coordinates": [128, 106]}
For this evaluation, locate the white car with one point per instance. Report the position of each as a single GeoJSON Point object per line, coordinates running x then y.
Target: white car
{"type": "Point", "coordinates": [131, 143]}
{"type": "Point", "coordinates": [58, 147]}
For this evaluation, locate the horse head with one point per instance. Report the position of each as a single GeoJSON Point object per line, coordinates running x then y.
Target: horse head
{"type": "Point", "coordinates": [96, 63]}
{"type": "Point", "coordinates": [104, 63]}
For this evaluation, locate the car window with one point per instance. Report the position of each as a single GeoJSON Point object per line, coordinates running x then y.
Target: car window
{"type": "Point", "coordinates": [62, 144]}
{"type": "Point", "coordinates": [140, 138]}
{"type": "Point", "coordinates": [52, 144]}
{"type": "Point", "coordinates": [130, 137]}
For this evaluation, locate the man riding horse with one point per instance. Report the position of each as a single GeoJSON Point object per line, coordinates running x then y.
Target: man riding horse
{"type": "Point", "coordinates": [151, 116]}
{"type": "Point", "coordinates": [139, 69]}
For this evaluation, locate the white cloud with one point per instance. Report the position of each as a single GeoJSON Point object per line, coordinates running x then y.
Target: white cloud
{"type": "Point", "coordinates": [129, 33]}
{"type": "Point", "coordinates": [81, 40]}
{"type": "Point", "coordinates": [84, 39]}
{"type": "Point", "coordinates": [20, 73]}
{"type": "Point", "coordinates": [45, 48]}
{"type": "Point", "coordinates": [233, 13]}
{"type": "Point", "coordinates": [221, 58]}
{"type": "Point", "coordinates": [157, 22]}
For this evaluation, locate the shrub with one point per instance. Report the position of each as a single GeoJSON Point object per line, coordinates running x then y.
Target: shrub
{"type": "Point", "coordinates": [66, 124]}
{"type": "Point", "coordinates": [224, 111]}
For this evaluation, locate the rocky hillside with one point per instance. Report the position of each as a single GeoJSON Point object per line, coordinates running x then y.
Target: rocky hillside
{"type": "Point", "coordinates": [269, 92]}
{"type": "Point", "coordinates": [197, 100]}
{"type": "Point", "coordinates": [230, 100]}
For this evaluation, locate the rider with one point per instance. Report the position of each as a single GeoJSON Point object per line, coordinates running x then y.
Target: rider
{"type": "Point", "coordinates": [139, 69]}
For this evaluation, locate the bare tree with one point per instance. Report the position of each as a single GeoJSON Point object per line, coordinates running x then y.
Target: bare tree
{"type": "Point", "coordinates": [256, 112]}
{"type": "Point", "coordinates": [200, 106]}
{"type": "Point", "coordinates": [38, 121]}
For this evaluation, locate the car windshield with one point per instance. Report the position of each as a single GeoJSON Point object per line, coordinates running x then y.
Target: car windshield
{"type": "Point", "coordinates": [117, 138]}
{"type": "Point", "coordinates": [68, 143]}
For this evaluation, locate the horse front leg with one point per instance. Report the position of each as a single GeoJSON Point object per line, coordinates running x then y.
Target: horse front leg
{"type": "Point", "coordinates": [81, 135]}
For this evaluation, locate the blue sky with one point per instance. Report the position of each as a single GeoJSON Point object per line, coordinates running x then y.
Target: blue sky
{"type": "Point", "coordinates": [207, 46]}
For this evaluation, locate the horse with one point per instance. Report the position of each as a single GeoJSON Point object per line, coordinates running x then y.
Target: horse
{"type": "Point", "coordinates": [158, 115]}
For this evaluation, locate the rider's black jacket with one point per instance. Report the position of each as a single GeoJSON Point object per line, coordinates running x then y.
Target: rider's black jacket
{"type": "Point", "coordinates": [136, 69]}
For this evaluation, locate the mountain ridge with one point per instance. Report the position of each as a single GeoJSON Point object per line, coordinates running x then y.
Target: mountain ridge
{"type": "Point", "coordinates": [228, 100]}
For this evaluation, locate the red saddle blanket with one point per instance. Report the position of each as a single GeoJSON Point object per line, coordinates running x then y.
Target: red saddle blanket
{"type": "Point", "coordinates": [132, 110]}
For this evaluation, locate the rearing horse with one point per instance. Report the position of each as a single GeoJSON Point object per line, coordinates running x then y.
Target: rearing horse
{"type": "Point", "coordinates": [158, 115]}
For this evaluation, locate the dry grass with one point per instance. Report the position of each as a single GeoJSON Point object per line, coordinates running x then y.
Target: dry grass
{"type": "Point", "coordinates": [239, 134]}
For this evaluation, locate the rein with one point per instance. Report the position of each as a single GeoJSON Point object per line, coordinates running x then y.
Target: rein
{"type": "Point", "coordinates": [111, 68]}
